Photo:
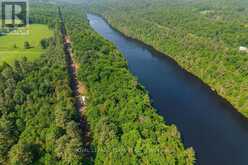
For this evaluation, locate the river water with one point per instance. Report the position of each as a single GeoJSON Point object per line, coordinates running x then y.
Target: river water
{"type": "Point", "coordinates": [216, 131]}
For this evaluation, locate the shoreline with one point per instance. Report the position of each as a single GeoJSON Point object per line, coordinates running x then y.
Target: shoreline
{"type": "Point", "coordinates": [211, 89]}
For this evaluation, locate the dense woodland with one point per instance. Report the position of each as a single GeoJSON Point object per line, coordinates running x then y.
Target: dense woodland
{"type": "Point", "coordinates": [202, 36]}
{"type": "Point", "coordinates": [125, 127]}
{"type": "Point", "coordinates": [38, 121]}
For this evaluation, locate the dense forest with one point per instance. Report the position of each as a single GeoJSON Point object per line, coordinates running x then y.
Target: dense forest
{"type": "Point", "coordinates": [125, 127]}
{"type": "Point", "coordinates": [38, 120]}
{"type": "Point", "coordinates": [202, 36]}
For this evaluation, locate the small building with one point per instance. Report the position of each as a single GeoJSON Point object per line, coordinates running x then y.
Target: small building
{"type": "Point", "coordinates": [243, 49]}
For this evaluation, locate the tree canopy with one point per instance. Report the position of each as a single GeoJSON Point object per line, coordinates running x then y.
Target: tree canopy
{"type": "Point", "coordinates": [202, 36]}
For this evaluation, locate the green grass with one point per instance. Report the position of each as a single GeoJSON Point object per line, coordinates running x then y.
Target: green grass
{"type": "Point", "coordinates": [8, 53]}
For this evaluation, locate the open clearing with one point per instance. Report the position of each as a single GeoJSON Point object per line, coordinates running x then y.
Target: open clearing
{"type": "Point", "coordinates": [12, 46]}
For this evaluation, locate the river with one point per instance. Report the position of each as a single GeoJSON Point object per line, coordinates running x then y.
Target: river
{"type": "Point", "coordinates": [208, 123]}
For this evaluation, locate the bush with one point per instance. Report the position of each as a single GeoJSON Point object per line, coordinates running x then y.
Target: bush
{"type": "Point", "coordinates": [27, 45]}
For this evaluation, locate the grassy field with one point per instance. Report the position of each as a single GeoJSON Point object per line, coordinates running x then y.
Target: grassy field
{"type": "Point", "coordinates": [12, 46]}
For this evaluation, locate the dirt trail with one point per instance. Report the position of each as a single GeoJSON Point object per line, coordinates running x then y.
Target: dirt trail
{"type": "Point", "coordinates": [77, 89]}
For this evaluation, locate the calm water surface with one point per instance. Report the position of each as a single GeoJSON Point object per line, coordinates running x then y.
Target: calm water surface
{"type": "Point", "coordinates": [218, 133]}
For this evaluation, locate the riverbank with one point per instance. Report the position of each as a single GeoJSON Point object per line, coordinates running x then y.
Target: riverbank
{"type": "Point", "coordinates": [203, 118]}
{"type": "Point", "coordinates": [157, 52]}
{"type": "Point", "coordinates": [211, 66]}
{"type": "Point", "coordinates": [125, 127]}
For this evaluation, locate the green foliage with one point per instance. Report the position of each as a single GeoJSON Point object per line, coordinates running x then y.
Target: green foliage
{"type": "Point", "coordinates": [44, 43]}
{"type": "Point", "coordinates": [43, 14]}
{"type": "Point", "coordinates": [27, 45]}
{"type": "Point", "coordinates": [202, 36]}
{"type": "Point", "coordinates": [38, 121]}
{"type": "Point", "coordinates": [125, 127]}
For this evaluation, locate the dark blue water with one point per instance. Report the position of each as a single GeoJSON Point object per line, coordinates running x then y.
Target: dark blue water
{"type": "Point", "coordinates": [216, 131]}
